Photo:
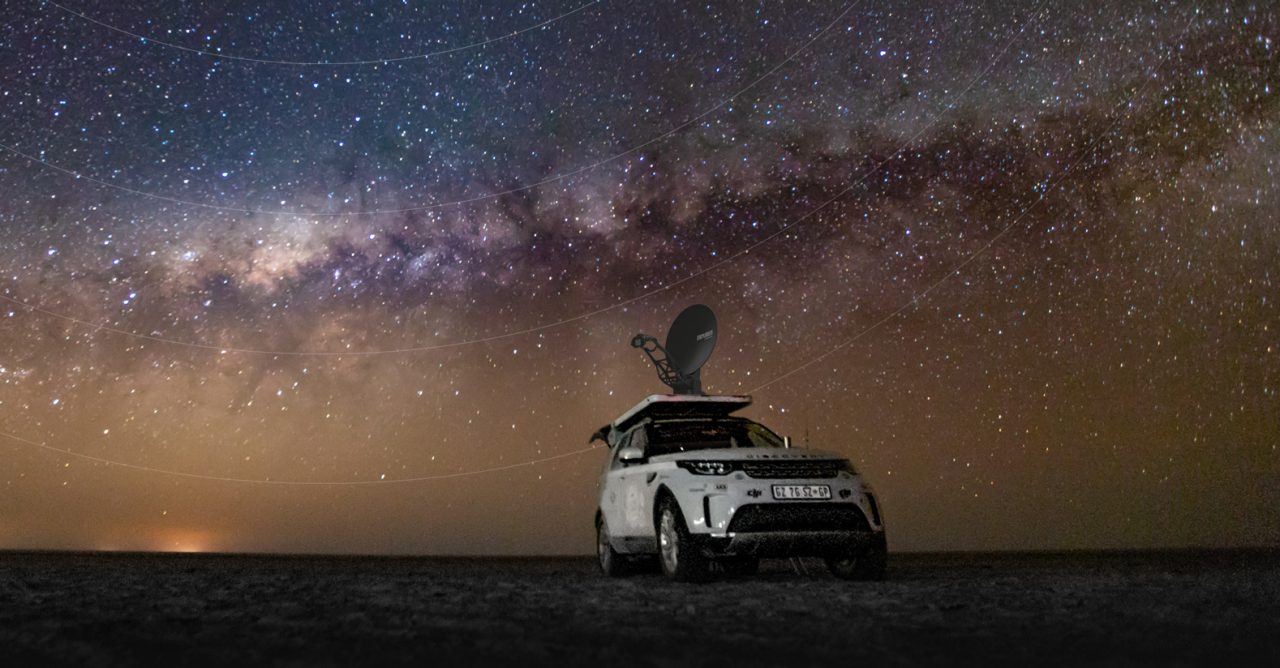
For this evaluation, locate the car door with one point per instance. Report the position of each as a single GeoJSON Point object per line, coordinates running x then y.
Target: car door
{"type": "Point", "coordinates": [634, 507]}
{"type": "Point", "coordinates": [612, 493]}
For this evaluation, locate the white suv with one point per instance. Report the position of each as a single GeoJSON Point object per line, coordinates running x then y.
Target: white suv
{"type": "Point", "coordinates": [707, 491]}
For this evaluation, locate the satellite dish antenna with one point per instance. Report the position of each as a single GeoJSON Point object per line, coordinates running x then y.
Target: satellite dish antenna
{"type": "Point", "coordinates": [690, 341]}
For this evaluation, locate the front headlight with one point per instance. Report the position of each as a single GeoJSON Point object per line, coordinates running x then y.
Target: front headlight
{"type": "Point", "coordinates": [706, 468]}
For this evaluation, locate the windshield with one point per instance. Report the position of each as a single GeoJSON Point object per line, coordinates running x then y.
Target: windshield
{"type": "Point", "coordinates": [668, 437]}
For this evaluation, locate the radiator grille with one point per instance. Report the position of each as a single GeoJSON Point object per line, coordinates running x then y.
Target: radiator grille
{"type": "Point", "coordinates": [795, 468]}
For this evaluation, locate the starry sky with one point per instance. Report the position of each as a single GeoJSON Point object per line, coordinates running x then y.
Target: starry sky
{"type": "Point", "coordinates": [360, 276]}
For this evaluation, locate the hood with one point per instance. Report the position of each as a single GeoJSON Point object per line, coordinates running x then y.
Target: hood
{"type": "Point", "coordinates": [748, 454]}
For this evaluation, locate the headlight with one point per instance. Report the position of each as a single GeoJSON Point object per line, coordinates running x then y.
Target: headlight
{"type": "Point", "coordinates": [707, 468]}
{"type": "Point", "coordinates": [846, 465]}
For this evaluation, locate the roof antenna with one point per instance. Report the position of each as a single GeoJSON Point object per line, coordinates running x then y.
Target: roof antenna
{"type": "Point", "coordinates": [690, 340]}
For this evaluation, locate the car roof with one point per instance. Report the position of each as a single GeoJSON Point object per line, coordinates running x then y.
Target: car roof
{"type": "Point", "coordinates": [666, 406]}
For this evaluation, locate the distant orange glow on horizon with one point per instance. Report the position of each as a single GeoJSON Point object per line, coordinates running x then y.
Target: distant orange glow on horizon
{"type": "Point", "coordinates": [185, 540]}
{"type": "Point", "coordinates": [165, 540]}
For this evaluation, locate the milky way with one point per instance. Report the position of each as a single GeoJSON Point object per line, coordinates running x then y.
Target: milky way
{"type": "Point", "coordinates": [1018, 261]}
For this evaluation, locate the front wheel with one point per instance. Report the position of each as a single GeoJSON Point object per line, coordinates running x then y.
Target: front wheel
{"type": "Point", "coordinates": [612, 564]}
{"type": "Point", "coordinates": [681, 560]}
{"type": "Point", "coordinates": [867, 565]}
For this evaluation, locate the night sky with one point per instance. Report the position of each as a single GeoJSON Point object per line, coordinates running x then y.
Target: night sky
{"type": "Point", "coordinates": [1020, 262]}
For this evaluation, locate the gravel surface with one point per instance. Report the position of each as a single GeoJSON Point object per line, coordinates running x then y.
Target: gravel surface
{"type": "Point", "coordinates": [1168, 608]}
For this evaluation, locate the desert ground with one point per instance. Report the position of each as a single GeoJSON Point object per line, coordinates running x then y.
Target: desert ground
{"type": "Point", "coordinates": [1117, 608]}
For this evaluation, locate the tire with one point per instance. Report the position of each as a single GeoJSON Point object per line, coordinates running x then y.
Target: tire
{"type": "Point", "coordinates": [612, 564]}
{"type": "Point", "coordinates": [681, 560]}
{"type": "Point", "coordinates": [740, 567]}
{"type": "Point", "coordinates": [866, 566]}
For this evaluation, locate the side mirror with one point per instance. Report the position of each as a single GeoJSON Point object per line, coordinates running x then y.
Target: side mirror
{"type": "Point", "coordinates": [786, 441]}
{"type": "Point", "coordinates": [631, 455]}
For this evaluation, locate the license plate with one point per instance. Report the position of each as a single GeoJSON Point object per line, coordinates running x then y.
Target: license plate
{"type": "Point", "coordinates": [790, 492]}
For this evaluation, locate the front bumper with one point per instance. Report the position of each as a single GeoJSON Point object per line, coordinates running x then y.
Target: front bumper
{"type": "Point", "coordinates": [803, 543]}
{"type": "Point", "coordinates": [777, 544]}
{"type": "Point", "coordinates": [796, 529]}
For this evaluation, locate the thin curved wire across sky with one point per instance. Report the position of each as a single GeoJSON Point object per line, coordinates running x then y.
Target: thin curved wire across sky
{"type": "Point", "coordinates": [791, 372]}
{"type": "Point", "coordinates": [469, 200]}
{"type": "Point", "coordinates": [581, 316]}
{"type": "Point", "coordinates": [1005, 243]}
{"type": "Point", "coordinates": [324, 63]}
{"type": "Point", "coordinates": [294, 483]}
{"type": "Point", "coordinates": [1126, 105]}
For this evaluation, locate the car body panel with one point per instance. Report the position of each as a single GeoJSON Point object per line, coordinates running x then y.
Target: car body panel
{"type": "Point", "coordinates": [710, 503]}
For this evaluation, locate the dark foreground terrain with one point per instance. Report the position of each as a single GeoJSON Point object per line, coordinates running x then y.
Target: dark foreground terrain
{"type": "Point", "coordinates": [1171, 608]}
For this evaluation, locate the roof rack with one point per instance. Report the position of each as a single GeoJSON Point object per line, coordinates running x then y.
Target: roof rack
{"type": "Point", "coordinates": [659, 406]}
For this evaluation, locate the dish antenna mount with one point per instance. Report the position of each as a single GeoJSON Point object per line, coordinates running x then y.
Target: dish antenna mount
{"type": "Point", "coordinates": [690, 341]}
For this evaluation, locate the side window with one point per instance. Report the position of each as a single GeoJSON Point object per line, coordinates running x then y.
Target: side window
{"type": "Point", "coordinates": [640, 438]}
{"type": "Point", "coordinates": [614, 464]}
{"type": "Point", "coordinates": [636, 438]}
